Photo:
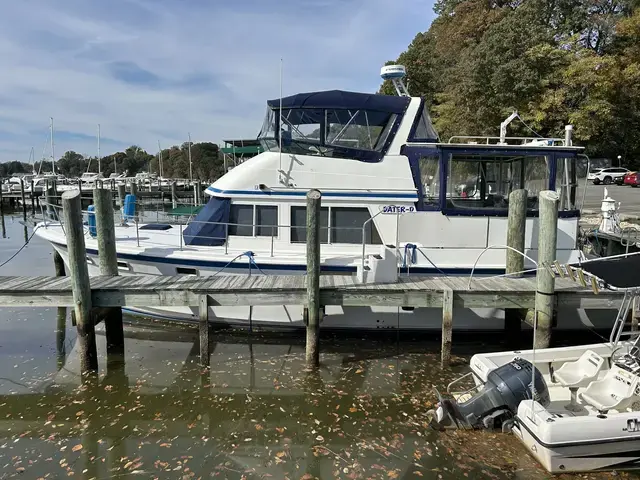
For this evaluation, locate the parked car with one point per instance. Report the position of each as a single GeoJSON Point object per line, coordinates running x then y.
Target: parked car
{"type": "Point", "coordinates": [634, 181]}
{"type": "Point", "coordinates": [606, 175]}
{"type": "Point", "coordinates": [628, 179]}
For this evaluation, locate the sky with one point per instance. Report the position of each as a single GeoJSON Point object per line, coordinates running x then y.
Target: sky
{"type": "Point", "coordinates": [156, 70]}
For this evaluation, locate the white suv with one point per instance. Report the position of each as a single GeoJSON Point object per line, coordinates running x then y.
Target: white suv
{"type": "Point", "coordinates": [606, 175]}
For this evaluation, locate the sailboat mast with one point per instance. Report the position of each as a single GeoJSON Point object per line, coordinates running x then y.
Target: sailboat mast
{"type": "Point", "coordinates": [190, 167]}
{"type": "Point", "coordinates": [99, 159]}
{"type": "Point", "coordinates": [32, 158]}
{"type": "Point", "coordinates": [159, 159]}
{"type": "Point", "coordinates": [53, 155]}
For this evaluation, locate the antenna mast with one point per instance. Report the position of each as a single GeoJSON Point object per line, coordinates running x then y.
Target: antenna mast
{"type": "Point", "coordinates": [53, 155]}
{"type": "Point", "coordinates": [99, 159]}
{"type": "Point", "coordinates": [279, 126]}
{"type": "Point", "coordinates": [159, 159]}
{"type": "Point", "coordinates": [190, 167]}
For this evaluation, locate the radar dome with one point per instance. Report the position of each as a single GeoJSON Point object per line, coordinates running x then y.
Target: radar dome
{"type": "Point", "coordinates": [389, 72]}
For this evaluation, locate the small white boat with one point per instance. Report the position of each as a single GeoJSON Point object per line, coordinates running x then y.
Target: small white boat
{"type": "Point", "coordinates": [584, 412]}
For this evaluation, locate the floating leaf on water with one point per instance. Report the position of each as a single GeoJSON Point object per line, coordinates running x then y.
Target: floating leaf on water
{"type": "Point", "coordinates": [77, 447]}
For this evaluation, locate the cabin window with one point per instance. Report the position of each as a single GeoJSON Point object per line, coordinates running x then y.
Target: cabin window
{"type": "Point", "coordinates": [333, 132]}
{"type": "Point", "coordinates": [359, 129]}
{"type": "Point", "coordinates": [430, 178]}
{"type": "Point", "coordinates": [484, 182]}
{"type": "Point", "coordinates": [424, 129]}
{"type": "Point", "coordinates": [345, 225]}
{"type": "Point", "coordinates": [241, 220]}
{"type": "Point", "coordinates": [566, 182]}
{"type": "Point", "coordinates": [250, 220]}
{"type": "Point", "coordinates": [266, 220]}
{"type": "Point", "coordinates": [299, 224]}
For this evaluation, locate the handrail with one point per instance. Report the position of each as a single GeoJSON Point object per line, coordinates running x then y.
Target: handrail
{"type": "Point", "coordinates": [488, 138]}
{"type": "Point", "coordinates": [274, 230]}
{"type": "Point", "coordinates": [364, 236]}
{"type": "Point", "coordinates": [491, 247]}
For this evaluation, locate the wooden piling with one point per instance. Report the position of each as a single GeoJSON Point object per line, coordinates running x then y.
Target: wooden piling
{"type": "Point", "coordinates": [80, 283]}
{"type": "Point", "coordinates": [516, 229]}
{"type": "Point", "coordinates": [447, 326]}
{"type": "Point", "coordinates": [314, 198]}
{"type": "Point", "coordinates": [23, 200]}
{"type": "Point", "coordinates": [58, 264]}
{"type": "Point", "coordinates": [1, 207]}
{"type": "Point", "coordinates": [103, 201]}
{"type": "Point", "coordinates": [174, 196]}
{"type": "Point", "coordinates": [33, 201]}
{"type": "Point", "coordinates": [547, 242]}
{"type": "Point", "coordinates": [204, 330]}
{"type": "Point", "coordinates": [122, 193]}
{"type": "Point", "coordinates": [196, 193]}
{"type": "Point", "coordinates": [50, 200]}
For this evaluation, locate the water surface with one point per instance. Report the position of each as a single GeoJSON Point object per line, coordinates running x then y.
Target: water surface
{"type": "Point", "coordinates": [256, 414]}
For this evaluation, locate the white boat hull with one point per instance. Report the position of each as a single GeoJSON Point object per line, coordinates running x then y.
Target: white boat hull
{"type": "Point", "coordinates": [603, 444]}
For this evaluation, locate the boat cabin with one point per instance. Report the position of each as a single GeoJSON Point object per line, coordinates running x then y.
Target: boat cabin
{"type": "Point", "coordinates": [370, 154]}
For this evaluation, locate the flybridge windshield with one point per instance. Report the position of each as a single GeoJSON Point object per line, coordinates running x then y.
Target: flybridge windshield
{"type": "Point", "coordinates": [330, 132]}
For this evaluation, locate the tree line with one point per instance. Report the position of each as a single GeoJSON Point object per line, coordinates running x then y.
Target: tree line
{"type": "Point", "coordinates": [206, 162]}
{"type": "Point", "coordinates": [554, 61]}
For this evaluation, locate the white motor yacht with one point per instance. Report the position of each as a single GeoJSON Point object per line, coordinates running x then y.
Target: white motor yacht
{"type": "Point", "coordinates": [392, 191]}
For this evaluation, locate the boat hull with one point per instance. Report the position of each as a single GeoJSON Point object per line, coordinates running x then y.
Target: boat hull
{"type": "Point", "coordinates": [579, 444]}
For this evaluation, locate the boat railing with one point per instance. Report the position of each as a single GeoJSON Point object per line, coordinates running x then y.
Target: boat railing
{"type": "Point", "coordinates": [629, 299]}
{"type": "Point", "coordinates": [516, 141]}
{"type": "Point", "coordinates": [53, 213]}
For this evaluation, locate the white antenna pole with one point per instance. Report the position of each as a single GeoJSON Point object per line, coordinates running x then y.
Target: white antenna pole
{"type": "Point", "coordinates": [32, 157]}
{"type": "Point", "coordinates": [99, 159]}
{"type": "Point", "coordinates": [53, 155]}
{"type": "Point", "coordinates": [190, 167]}
{"type": "Point", "coordinates": [280, 123]}
{"type": "Point", "coordinates": [159, 159]}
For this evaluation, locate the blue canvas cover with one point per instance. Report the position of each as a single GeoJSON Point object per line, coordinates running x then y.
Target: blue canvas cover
{"type": "Point", "coordinates": [208, 228]}
{"type": "Point", "coordinates": [340, 99]}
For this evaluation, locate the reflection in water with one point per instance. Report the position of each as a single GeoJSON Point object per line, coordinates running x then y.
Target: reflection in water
{"type": "Point", "coordinates": [61, 335]}
{"type": "Point", "coordinates": [256, 413]}
{"type": "Point", "coordinates": [4, 228]}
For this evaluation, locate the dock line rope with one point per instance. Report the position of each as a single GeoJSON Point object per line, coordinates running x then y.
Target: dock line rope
{"type": "Point", "coordinates": [20, 249]}
{"type": "Point", "coordinates": [249, 254]}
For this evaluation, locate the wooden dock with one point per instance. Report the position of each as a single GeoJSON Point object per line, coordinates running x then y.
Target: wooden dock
{"type": "Point", "coordinates": [543, 294]}
{"type": "Point", "coordinates": [262, 290]}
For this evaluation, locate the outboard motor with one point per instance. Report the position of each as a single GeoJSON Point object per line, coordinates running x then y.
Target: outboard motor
{"type": "Point", "coordinates": [497, 403]}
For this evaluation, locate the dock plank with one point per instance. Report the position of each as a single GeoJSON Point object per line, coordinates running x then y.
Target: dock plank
{"type": "Point", "coordinates": [257, 289]}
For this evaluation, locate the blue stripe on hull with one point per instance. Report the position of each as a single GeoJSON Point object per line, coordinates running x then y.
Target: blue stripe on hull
{"type": "Point", "coordinates": [270, 267]}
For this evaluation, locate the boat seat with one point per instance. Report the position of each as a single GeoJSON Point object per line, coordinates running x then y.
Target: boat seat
{"type": "Point", "coordinates": [616, 390]}
{"type": "Point", "coordinates": [578, 374]}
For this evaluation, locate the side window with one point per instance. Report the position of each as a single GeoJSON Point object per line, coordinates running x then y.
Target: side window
{"type": "Point", "coordinates": [299, 224]}
{"type": "Point", "coordinates": [346, 226]}
{"type": "Point", "coordinates": [241, 220]}
{"type": "Point", "coordinates": [430, 178]}
{"type": "Point", "coordinates": [266, 220]}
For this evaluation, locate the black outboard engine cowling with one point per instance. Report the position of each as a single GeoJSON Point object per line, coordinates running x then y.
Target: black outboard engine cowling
{"type": "Point", "coordinates": [498, 400]}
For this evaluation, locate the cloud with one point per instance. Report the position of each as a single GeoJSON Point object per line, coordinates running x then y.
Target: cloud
{"type": "Point", "coordinates": [149, 70]}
